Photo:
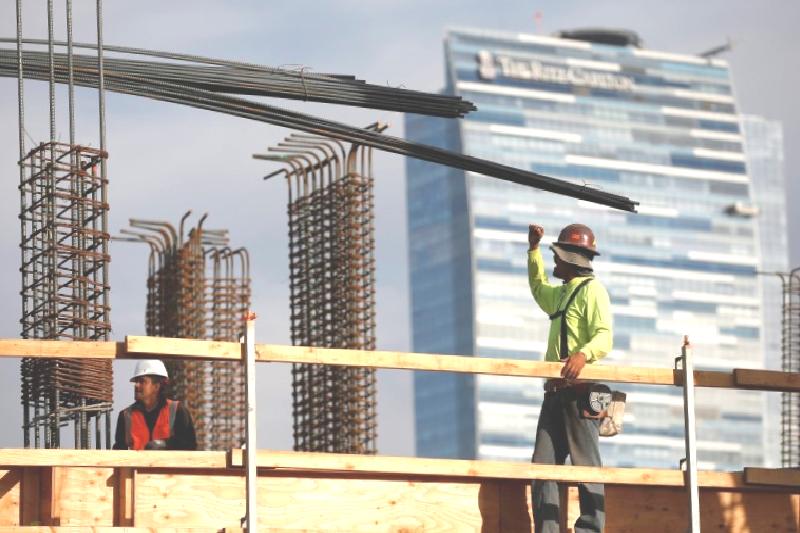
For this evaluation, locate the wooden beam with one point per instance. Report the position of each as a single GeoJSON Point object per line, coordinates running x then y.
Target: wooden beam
{"type": "Point", "coordinates": [768, 380]}
{"type": "Point", "coordinates": [30, 495]}
{"type": "Point", "coordinates": [448, 468]}
{"type": "Point", "coordinates": [789, 477]}
{"type": "Point", "coordinates": [111, 529]}
{"type": "Point", "coordinates": [62, 349]}
{"type": "Point", "coordinates": [138, 347]}
{"type": "Point", "coordinates": [124, 504]}
{"type": "Point", "coordinates": [154, 346]}
{"type": "Point", "coordinates": [112, 458]}
{"type": "Point", "coordinates": [171, 347]}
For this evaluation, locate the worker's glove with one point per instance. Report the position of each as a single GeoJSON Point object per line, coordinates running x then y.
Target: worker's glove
{"type": "Point", "coordinates": [156, 445]}
{"type": "Point", "coordinates": [534, 236]}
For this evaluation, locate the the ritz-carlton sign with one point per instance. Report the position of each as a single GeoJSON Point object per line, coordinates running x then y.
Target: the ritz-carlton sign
{"type": "Point", "coordinates": [522, 69]}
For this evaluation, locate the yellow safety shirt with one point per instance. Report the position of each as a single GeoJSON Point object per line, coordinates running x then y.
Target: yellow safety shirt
{"type": "Point", "coordinates": [589, 322]}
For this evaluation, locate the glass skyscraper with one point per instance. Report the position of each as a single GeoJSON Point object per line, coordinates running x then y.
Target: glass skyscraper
{"type": "Point", "coordinates": [595, 109]}
{"type": "Point", "coordinates": [764, 149]}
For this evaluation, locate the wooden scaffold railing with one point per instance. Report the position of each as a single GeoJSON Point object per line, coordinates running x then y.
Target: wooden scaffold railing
{"type": "Point", "coordinates": [311, 491]}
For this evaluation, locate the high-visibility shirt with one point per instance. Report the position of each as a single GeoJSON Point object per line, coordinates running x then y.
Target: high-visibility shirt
{"type": "Point", "coordinates": [137, 432]}
{"type": "Point", "coordinates": [589, 322]}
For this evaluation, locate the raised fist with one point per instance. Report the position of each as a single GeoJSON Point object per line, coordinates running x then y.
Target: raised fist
{"type": "Point", "coordinates": [534, 236]}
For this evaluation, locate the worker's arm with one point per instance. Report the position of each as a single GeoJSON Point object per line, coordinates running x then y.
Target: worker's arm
{"type": "Point", "coordinates": [546, 295]}
{"type": "Point", "coordinates": [598, 323]}
{"type": "Point", "coordinates": [183, 435]}
{"type": "Point", "coordinates": [120, 442]}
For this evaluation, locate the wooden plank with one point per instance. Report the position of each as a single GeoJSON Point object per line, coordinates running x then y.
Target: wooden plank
{"type": "Point", "coordinates": [482, 365]}
{"type": "Point", "coordinates": [124, 496]}
{"type": "Point", "coordinates": [108, 529]}
{"type": "Point", "coordinates": [768, 380]}
{"type": "Point", "coordinates": [172, 347]}
{"type": "Point", "coordinates": [448, 468]}
{"type": "Point", "coordinates": [10, 496]}
{"type": "Point", "coordinates": [112, 458]}
{"type": "Point", "coordinates": [65, 349]}
{"type": "Point", "coordinates": [141, 346]}
{"type": "Point", "coordinates": [515, 506]}
{"type": "Point", "coordinates": [314, 504]}
{"type": "Point", "coordinates": [632, 509]}
{"type": "Point", "coordinates": [30, 495]}
{"type": "Point", "coordinates": [160, 346]}
{"type": "Point", "coordinates": [48, 496]}
{"type": "Point", "coordinates": [789, 477]}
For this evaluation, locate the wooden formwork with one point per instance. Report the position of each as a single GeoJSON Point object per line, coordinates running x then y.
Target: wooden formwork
{"type": "Point", "coordinates": [204, 491]}
{"type": "Point", "coordinates": [60, 490]}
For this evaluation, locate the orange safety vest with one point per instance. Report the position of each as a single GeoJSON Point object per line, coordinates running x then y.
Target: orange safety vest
{"type": "Point", "coordinates": [137, 434]}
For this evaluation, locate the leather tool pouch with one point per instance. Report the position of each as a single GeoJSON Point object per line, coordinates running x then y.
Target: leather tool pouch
{"type": "Point", "coordinates": [598, 402]}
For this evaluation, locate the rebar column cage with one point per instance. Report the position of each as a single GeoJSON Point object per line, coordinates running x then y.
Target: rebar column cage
{"type": "Point", "coordinates": [790, 401]}
{"type": "Point", "coordinates": [332, 288]}
{"type": "Point", "coordinates": [64, 291]}
{"type": "Point", "coordinates": [198, 288]}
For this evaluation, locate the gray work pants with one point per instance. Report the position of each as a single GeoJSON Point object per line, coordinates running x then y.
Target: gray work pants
{"type": "Point", "coordinates": [561, 432]}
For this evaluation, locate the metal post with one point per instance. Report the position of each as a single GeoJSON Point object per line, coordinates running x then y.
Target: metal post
{"type": "Point", "coordinates": [689, 430]}
{"type": "Point", "coordinates": [251, 518]}
{"type": "Point", "coordinates": [108, 429]}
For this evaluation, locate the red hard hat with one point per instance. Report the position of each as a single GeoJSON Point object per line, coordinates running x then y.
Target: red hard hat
{"type": "Point", "coordinates": [578, 236]}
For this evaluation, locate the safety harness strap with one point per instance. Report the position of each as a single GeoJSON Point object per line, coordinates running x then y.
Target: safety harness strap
{"type": "Point", "coordinates": [563, 351]}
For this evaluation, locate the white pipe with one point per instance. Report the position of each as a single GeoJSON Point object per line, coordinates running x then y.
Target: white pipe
{"type": "Point", "coordinates": [249, 349]}
{"type": "Point", "coordinates": [691, 437]}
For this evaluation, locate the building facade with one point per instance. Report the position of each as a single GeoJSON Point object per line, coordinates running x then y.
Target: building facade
{"type": "Point", "coordinates": [764, 149]}
{"type": "Point", "coordinates": [658, 127]}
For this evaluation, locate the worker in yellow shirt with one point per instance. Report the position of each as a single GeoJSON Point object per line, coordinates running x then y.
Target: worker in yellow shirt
{"type": "Point", "coordinates": [580, 334]}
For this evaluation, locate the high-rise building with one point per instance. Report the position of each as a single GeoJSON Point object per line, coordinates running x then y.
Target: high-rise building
{"type": "Point", "coordinates": [764, 149]}
{"type": "Point", "coordinates": [591, 107]}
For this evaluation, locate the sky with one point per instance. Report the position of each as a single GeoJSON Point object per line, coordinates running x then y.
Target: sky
{"type": "Point", "coordinates": [166, 159]}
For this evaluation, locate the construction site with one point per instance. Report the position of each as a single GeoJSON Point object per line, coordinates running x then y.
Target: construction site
{"type": "Point", "coordinates": [202, 318]}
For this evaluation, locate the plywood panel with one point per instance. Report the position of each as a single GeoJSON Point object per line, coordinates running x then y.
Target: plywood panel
{"type": "Point", "coordinates": [84, 496]}
{"type": "Point", "coordinates": [663, 509]}
{"type": "Point", "coordinates": [10, 496]}
{"type": "Point", "coordinates": [328, 504]}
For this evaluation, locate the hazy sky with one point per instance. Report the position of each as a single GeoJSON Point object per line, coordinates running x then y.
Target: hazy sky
{"type": "Point", "coordinates": [166, 159]}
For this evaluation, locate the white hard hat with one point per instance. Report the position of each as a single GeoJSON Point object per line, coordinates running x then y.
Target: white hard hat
{"type": "Point", "coordinates": [150, 367]}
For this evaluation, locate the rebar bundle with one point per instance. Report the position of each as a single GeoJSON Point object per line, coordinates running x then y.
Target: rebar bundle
{"type": "Point", "coordinates": [214, 90]}
{"type": "Point", "coordinates": [790, 401]}
{"type": "Point", "coordinates": [65, 294]}
{"type": "Point", "coordinates": [332, 292]}
{"type": "Point", "coordinates": [245, 79]}
{"type": "Point", "coordinates": [198, 288]}
{"type": "Point", "coordinates": [64, 249]}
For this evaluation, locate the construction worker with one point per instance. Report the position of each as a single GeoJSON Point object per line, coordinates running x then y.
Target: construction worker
{"type": "Point", "coordinates": [154, 422]}
{"type": "Point", "coordinates": [580, 334]}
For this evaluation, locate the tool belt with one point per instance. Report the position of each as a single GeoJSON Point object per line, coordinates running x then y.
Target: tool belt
{"type": "Point", "coordinates": [596, 401]}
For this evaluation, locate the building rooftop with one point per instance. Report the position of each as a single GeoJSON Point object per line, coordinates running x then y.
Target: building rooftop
{"type": "Point", "coordinates": [614, 37]}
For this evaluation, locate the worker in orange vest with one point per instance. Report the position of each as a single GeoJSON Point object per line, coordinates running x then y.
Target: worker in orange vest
{"type": "Point", "coordinates": [153, 421]}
